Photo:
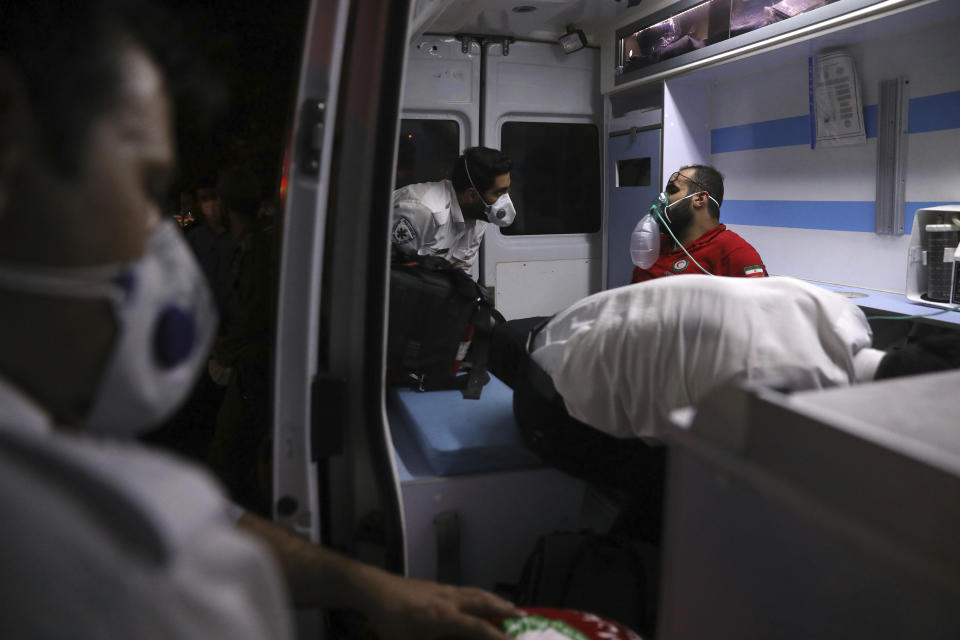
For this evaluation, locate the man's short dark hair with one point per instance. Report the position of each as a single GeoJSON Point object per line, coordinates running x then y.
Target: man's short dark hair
{"type": "Point", "coordinates": [66, 53]}
{"type": "Point", "coordinates": [925, 354]}
{"type": "Point", "coordinates": [712, 181]}
{"type": "Point", "coordinates": [239, 191]}
{"type": "Point", "coordinates": [485, 165]}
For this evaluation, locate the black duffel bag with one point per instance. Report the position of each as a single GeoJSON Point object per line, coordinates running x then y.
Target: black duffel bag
{"type": "Point", "coordinates": [439, 318]}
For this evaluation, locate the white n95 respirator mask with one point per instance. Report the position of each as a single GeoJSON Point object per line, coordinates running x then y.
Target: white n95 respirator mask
{"type": "Point", "coordinates": [165, 322]}
{"type": "Point", "coordinates": [501, 212]}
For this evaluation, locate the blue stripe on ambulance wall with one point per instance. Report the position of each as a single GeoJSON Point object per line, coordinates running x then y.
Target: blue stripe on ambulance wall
{"type": "Point", "coordinates": [930, 113]}
{"type": "Point", "coordinates": [810, 214]}
{"type": "Point", "coordinates": [934, 113]}
{"type": "Point", "coordinates": [761, 135]}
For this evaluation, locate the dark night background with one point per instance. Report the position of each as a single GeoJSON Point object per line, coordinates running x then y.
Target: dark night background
{"type": "Point", "coordinates": [250, 55]}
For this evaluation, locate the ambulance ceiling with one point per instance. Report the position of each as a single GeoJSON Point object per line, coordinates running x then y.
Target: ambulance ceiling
{"type": "Point", "coordinates": [527, 19]}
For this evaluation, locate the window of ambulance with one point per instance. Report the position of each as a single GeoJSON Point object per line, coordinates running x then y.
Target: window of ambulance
{"type": "Point", "coordinates": [555, 181]}
{"type": "Point", "coordinates": [426, 150]}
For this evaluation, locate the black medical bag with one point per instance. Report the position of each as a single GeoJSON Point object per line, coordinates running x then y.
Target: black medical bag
{"type": "Point", "coordinates": [439, 318]}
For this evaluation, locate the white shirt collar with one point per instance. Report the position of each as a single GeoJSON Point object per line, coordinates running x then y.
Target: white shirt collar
{"type": "Point", "coordinates": [455, 213]}
{"type": "Point", "coordinates": [20, 413]}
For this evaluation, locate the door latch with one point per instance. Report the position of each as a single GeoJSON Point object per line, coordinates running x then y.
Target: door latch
{"type": "Point", "coordinates": [310, 141]}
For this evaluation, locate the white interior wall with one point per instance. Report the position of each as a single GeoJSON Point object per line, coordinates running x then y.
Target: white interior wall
{"type": "Point", "coordinates": [929, 59]}
{"type": "Point", "coordinates": [686, 117]}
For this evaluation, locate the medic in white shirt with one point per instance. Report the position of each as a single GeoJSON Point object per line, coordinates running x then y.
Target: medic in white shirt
{"type": "Point", "coordinates": [448, 218]}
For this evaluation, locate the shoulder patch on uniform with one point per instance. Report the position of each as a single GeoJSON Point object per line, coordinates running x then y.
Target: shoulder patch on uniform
{"type": "Point", "coordinates": [404, 232]}
{"type": "Point", "coordinates": [680, 265]}
{"type": "Point", "coordinates": [755, 270]}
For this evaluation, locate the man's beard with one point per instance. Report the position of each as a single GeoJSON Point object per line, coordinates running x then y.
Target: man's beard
{"type": "Point", "coordinates": [679, 217]}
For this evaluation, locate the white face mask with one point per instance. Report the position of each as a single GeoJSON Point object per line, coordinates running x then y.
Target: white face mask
{"type": "Point", "coordinates": [501, 212]}
{"type": "Point", "coordinates": [165, 325]}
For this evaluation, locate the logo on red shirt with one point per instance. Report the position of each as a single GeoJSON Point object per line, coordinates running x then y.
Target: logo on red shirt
{"type": "Point", "coordinates": [680, 265]}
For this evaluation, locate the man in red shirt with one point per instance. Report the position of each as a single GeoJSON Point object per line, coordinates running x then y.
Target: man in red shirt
{"type": "Point", "coordinates": [695, 193]}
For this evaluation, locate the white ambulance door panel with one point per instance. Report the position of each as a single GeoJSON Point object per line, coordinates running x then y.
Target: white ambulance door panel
{"type": "Point", "coordinates": [633, 182]}
{"type": "Point", "coordinates": [331, 448]}
{"type": "Point", "coordinates": [543, 108]}
{"type": "Point", "coordinates": [442, 83]}
{"type": "Point", "coordinates": [295, 478]}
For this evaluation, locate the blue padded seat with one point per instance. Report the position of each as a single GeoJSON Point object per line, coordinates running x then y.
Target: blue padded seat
{"type": "Point", "coordinates": [458, 436]}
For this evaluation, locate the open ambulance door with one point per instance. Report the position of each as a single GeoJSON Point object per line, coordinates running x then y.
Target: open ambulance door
{"type": "Point", "coordinates": [331, 461]}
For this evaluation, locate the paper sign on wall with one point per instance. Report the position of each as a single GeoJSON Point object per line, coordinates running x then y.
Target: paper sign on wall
{"type": "Point", "coordinates": [838, 111]}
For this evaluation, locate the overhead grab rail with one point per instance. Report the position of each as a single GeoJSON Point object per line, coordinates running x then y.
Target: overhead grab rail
{"type": "Point", "coordinates": [632, 131]}
{"type": "Point", "coordinates": [466, 39]}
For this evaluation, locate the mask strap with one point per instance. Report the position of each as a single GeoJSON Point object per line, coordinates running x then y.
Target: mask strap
{"type": "Point", "coordinates": [95, 282]}
{"type": "Point", "coordinates": [708, 195]}
{"type": "Point", "coordinates": [467, 167]}
{"type": "Point", "coordinates": [666, 207]}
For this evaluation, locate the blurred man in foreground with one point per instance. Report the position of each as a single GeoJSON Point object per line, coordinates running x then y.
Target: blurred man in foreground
{"type": "Point", "coordinates": [105, 322]}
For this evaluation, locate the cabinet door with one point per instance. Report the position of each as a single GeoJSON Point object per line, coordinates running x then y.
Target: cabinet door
{"type": "Point", "coordinates": [542, 107]}
{"type": "Point", "coordinates": [633, 182]}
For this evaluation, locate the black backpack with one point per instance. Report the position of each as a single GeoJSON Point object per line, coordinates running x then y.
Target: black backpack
{"type": "Point", "coordinates": [439, 317]}
{"type": "Point", "coordinates": [607, 575]}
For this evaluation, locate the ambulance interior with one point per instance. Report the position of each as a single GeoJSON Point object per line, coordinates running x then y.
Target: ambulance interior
{"type": "Point", "coordinates": [788, 514]}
